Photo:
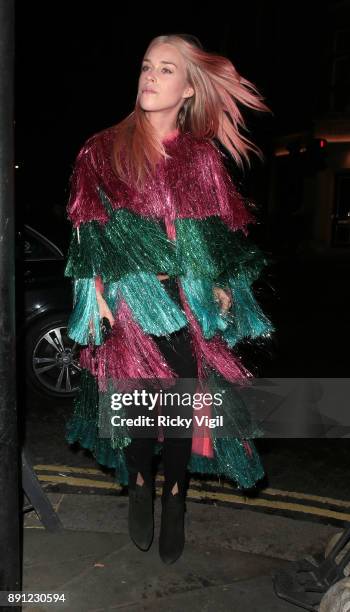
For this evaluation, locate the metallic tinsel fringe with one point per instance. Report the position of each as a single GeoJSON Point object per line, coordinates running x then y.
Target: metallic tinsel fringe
{"type": "Point", "coordinates": [233, 458]}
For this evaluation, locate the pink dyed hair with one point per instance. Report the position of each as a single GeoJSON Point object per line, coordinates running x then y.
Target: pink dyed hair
{"type": "Point", "coordinates": [212, 112]}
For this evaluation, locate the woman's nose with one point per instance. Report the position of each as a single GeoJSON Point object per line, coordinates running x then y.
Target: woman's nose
{"type": "Point", "coordinates": [150, 74]}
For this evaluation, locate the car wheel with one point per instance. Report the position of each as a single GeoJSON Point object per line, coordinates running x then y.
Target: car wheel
{"type": "Point", "coordinates": [52, 367]}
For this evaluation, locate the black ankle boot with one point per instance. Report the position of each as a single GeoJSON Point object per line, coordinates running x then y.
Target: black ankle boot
{"type": "Point", "coordinates": [140, 519]}
{"type": "Point", "coordinates": [172, 534]}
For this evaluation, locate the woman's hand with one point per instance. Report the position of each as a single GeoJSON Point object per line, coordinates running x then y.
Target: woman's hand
{"type": "Point", "coordinates": [224, 298]}
{"type": "Point", "coordinates": [104, 309]}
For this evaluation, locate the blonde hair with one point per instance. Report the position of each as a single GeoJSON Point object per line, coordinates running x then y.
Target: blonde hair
{"type": "Point", "coordinates": [212, 112]}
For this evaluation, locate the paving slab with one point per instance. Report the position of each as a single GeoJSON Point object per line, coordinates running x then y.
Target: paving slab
{"type": "Point", "coordinates": [100, 571]}
{"type": "Point", "coordinates": [50, 559]}
{"type": "Point", "coordinates": [227, 564]}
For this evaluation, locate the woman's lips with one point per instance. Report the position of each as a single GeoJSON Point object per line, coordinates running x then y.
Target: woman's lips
{"type": "Point", "coordinates": [148, 91]}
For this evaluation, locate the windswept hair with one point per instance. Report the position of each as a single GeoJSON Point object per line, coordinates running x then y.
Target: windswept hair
{"type": "Point", "coordinates": [212, 112]}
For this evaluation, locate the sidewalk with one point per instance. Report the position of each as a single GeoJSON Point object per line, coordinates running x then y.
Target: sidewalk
{"type": "Point", "coordinates": [227, 564]}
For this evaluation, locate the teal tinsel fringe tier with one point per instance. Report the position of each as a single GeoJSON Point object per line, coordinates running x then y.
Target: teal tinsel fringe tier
{"type": "Point", "coordinates": [230, 460]}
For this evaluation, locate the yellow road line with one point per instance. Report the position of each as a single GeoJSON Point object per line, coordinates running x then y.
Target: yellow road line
{"type": "Point", "coordinates": [267, 503]}
{"type": "Point", "coordinates": [80, 482]}
{"type": "Point", "coordinates": [308, 496]}
{"type": "Point", "coordinates": [212, 495]}
{"type": "Point", "coordinates": [268, 491]}
{"type": "Point", "coordinates": [67, 468]}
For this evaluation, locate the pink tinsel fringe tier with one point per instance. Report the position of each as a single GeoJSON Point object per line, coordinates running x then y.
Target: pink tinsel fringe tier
{"type": "Point", "coordinates": [192, 183]}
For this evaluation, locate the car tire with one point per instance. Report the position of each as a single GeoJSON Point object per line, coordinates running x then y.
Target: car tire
{"type": "Point", "coordinates": [51, 357]}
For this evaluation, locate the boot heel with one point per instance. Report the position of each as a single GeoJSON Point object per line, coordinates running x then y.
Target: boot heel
{"type": "Point", "coordinates": [172, 532]}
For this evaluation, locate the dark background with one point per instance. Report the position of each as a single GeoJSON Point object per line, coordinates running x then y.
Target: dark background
{"type": "Point", "coordinates": [77, 68]}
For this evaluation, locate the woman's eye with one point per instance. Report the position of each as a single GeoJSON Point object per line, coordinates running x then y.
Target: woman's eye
{"type": "Point", "coordinates": [145, 67]}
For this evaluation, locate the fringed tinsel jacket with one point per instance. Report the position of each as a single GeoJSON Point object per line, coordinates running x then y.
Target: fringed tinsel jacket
{"type": "Point", "coordinates": [119, 244]}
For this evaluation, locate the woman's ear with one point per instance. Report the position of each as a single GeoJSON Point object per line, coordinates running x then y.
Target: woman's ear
{"type": "Point", "coordinates": [189, 92]}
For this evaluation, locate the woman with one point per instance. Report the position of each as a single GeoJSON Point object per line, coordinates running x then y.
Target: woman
{"type": "Point", "coordinates": [160, 249]}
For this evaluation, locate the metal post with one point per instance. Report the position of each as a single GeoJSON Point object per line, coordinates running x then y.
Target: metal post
{"type": "Point", "coordinates": [10, 558]}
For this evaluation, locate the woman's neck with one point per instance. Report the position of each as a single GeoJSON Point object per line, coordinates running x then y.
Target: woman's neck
{"type": "Point", "coordinates": [171, 135]}
{"type": "Point", "coordinates": [164, 124]}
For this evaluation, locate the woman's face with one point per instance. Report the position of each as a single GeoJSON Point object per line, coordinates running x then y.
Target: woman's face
{"type": "Point", "coordinates": [163, 81]}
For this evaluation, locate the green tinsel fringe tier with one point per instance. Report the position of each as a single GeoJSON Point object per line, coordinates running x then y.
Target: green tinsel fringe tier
{"type": "Point", "coordinates": [129, 243]}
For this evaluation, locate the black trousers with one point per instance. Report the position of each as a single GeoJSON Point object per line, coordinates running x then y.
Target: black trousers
{"type": "Point", "coordinates": [176, 454]}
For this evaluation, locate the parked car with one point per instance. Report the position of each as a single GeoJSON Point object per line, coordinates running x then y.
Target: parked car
{"type": "Point", "coordinates": [43, 303]}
